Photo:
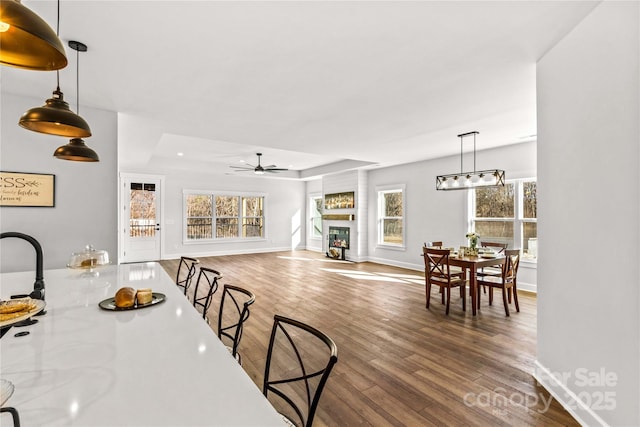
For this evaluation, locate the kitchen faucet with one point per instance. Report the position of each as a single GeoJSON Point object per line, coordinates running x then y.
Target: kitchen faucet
{"type": "Point", "coordinates": [38, 286]}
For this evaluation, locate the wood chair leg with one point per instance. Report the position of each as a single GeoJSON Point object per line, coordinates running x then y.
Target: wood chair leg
{"type": "Point", "coordinates": [448, 300]}
{"type": "Point", "coordinates": [428, 293]}
{"type": "Point", "coordinates": [504, 300]}
{"type": "Point", "coordinates": [515, 298]}
{"type": "Point", "coordinates": [490, 295]}
{"type": "Point", "coordinates": [464, 298]}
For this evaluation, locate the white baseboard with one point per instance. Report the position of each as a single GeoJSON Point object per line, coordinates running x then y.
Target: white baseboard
{"type": "Point", "coordinates": [567, 398]}
{"type": "Point", "coordinates": [224, 252]}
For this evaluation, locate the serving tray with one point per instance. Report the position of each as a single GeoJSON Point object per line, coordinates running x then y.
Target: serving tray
{"type": "Point", "coordinates": [39, 306]}
{"type": "Point", "coordinates": [110, 303]}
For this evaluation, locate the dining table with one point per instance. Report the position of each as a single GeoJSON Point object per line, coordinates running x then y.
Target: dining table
{"type": "Point", "coordinates": [471, 264]}
{"type": "Point", "coordinates": [85, 363]}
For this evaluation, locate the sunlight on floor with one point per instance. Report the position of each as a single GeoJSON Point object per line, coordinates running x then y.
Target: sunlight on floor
{"type": "Point", "coordinates": [361, 275]}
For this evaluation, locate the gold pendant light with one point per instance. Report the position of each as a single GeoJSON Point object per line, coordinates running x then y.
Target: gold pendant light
{"type": "Point", "coordinates": [27, 41]}
{"type": "Point", "coordinates": [76, 150]}
{"type": "Point", "coordinates": [55, 117]}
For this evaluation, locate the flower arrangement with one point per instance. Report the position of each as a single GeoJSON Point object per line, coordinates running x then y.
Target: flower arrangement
{"type": "Point", "coordinates": [473, 239]}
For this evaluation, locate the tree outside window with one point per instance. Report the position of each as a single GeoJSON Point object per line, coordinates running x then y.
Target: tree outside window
{"type": "Point", "coordinates": [508, 215]}
{"type": "Point", "coordinates": [234, 216]}
{"type": "Point", "coordinates": [315, 217]}
{"type": "Point", "coordinates": [391, 217]}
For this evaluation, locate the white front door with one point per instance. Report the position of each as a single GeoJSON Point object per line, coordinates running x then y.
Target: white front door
{"type": "Point", "coordinates": [140, 218]}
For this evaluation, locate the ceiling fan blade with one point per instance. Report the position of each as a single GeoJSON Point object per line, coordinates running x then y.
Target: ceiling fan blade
{"type": "Point", "coordinates": [275, 169]}
{"type": "Point", "coordinates": [243, 168]}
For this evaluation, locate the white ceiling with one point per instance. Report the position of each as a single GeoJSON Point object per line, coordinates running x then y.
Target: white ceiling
{"type": "Point", "coordinates": [305, 83]}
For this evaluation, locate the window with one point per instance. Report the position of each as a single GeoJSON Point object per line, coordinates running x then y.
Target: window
{"type": "Point", "coordinates": [507, 214]}
{"type": "Point", "coordinates": [315, 217]}
{"type": "Point", "coordinates": [391, 216]}
{"type": "Point", "coordinates": [212, 216]}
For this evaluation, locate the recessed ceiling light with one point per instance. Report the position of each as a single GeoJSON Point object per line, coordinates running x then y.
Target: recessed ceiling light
{"type": "Point", "coordinates": [180, 154]}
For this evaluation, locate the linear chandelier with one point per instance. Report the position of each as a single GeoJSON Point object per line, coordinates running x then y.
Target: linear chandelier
{"type": "Point", "coordinates": [467, 180]}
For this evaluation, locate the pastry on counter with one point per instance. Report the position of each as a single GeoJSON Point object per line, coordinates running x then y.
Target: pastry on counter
{"type": "Point", "coordinates": [125, 297]}
{"type": "Point", "coordinates": [144, 296]}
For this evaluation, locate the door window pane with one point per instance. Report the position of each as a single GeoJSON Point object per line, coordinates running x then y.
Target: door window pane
{"type": "Point", "coordinates": [142, 210]}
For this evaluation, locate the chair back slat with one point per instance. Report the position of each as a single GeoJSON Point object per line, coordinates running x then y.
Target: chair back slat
{"type": "Point", "coordinates": [299, 361]}
{"type": "Point", "coordinates": [206, 286]}
{"type": "Point", "coordinates": [234, 311]}
{"type": "Point", "coordinates": [501, 247]}
{"type": "Point", "coordinates": [436, 244]}
{"type": "Point", "coordinates": [436, 263]}
{"type": "Point", "coordinates": [186, 272]}
{"type": "Point", "coordinates": [511, 264]}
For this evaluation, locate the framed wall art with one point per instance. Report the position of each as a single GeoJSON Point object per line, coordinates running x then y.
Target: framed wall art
{"type": "Point", "coordinates": [27, 189]}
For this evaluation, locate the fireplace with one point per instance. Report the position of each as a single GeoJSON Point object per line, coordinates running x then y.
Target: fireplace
{"type": "Point", "coordinates": [339, 237]}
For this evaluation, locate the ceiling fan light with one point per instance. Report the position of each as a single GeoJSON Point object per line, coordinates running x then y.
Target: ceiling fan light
{"type": "Point", "coordinates": [27, 41]}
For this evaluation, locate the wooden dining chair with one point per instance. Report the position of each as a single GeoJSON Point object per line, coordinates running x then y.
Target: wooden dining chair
{"type": "Point", "coordinates": [492, 271]}
{"type": "Point", "coordinates": [299, 361]}
{"type": "Point", "coordinates": [186, 272]}
{"type": "Point", "coordinates": [206, 286]}
{"type": "Point", "coordinates": [507, 281]}
{"type": "Point", "coordinates": [437, 271]}
{"type": "Point", "coordinates": [436, 244]}
{"type": "Point", "coordinates": [234, 311]}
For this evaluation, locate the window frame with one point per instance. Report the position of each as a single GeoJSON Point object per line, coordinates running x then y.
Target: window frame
{"type": "Point", "coordinates": [311, 217]}
{"type": "Point", "coordinates": [380, 217]}
{"type": "Point", "coordinates": [518, 215]}
{"type": "Point", "coordinates": [212, 194]}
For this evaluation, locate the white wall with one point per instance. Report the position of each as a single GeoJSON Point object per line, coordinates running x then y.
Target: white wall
{"type": "Point", "coordinates": [285, 226]}
{"type": "Point", "coordinates": [85, 199]}
{"type": "Point", "coordinates": [588, 228]}
{"type": "Point", "coordinates": [440, 215]}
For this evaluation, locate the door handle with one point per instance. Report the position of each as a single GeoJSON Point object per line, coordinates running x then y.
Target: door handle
{"type": "Point", "coordinates": [157, 227]}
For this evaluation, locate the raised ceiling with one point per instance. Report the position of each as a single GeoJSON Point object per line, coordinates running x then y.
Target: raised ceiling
{"type": "Point", "coordinates": [315, 86]}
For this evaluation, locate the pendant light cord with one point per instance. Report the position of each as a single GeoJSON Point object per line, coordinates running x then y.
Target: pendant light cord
{"type": "Point", "coordinates": [78, 81]}
{"type": "Point", "coordinates": [58, 34]}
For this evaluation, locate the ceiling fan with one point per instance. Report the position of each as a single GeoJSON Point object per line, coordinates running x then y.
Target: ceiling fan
{"type": "Point", "coordinates": [259, 170]}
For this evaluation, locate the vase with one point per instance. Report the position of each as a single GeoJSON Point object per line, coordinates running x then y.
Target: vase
{"type": "Point", "coordinates": [473, 242]}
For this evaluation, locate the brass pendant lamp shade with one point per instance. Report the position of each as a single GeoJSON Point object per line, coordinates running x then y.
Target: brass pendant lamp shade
{"type": "Point", "coordinates": [55, 118]}
{"type": "Point", "coordinates": [27, 41]}
{"type": "Point", "coordinates": [77, 151]}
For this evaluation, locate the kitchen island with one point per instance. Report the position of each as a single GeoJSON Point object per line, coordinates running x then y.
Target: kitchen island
{"type": "Point", "coordinates": [160, 365]}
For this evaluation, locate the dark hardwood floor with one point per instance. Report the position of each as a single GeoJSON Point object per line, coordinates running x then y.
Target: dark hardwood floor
{"type": "Point", "coordinates": [398, 363]}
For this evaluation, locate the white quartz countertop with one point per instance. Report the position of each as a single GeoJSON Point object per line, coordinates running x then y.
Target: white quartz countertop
{"type": "Point", "coordinates": [155, 366]}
